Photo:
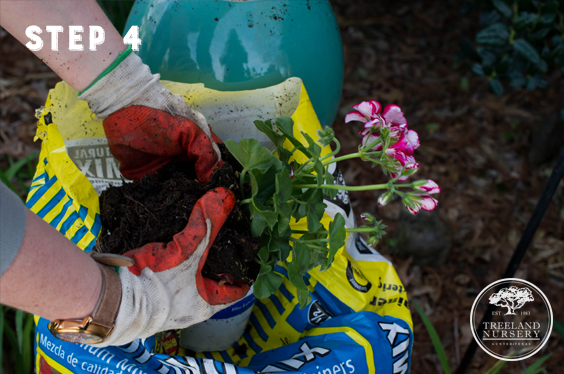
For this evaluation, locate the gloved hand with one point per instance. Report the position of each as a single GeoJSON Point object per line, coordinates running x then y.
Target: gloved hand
{"type": "Point", "coordinates": [165, 289]}
{"type": "Point", "coordinates": [146, 125]}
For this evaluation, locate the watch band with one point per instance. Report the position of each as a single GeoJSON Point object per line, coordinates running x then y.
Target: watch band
{"type": "Point", "coordinates": [107, 307]}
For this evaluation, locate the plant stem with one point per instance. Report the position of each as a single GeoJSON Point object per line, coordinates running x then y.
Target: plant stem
{"type": "Point", "coordinates": [361, 229]}
{"type": "Point", "coordinates": [337, 149]}
{"type": "Point", "coordinates": [347, 188]}
{"type": "Point", "coordinates": [345, 157]}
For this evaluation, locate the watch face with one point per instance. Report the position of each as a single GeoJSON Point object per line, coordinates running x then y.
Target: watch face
{"type": "Point", "coordinates": [79, 337]}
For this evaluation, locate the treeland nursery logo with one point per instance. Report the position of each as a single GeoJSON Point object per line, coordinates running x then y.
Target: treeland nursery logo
{"type": "Point", "coordinates": [523, 325]}
{"type": "Point", "coordinates": [512, 298]}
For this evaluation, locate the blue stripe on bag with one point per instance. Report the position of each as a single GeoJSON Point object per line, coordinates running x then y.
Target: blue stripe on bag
{"type": "Point", "coordinates": [52, 203]}
{"type": "Point", "coordinates": [79, 234]}
{"type": "Point", "coordinates": [225, 357]}
{"type": "Point", "coordinates": [267, 314]}
{"type": "Point", "coordinates": [68, 223]}
{"type": "Point", "coordinates": [241, 355]}
{"type": "Point", "coordinates": [97, 226]}
{"type": "Point", "coordinates": [287, 294]}
{"type": "Point", "coordinates": [276, 302]}
{"type": "Point", "coordinates": [256, 324]}
{"type": "Point", "coordinates": [42, 190]}
{"type": "Point", "coordinates": [55, 222]}
{"type": "Point", "coordinates": [254, 346]}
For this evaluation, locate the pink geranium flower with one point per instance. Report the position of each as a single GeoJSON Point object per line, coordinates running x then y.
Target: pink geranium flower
{"type": "Point", "coordinates": [407, 143]}
{"type": "Point", "coordinates": [416, 202]}
{"type": "Point", "coordinates": [430, 187]}
{"type": "Point", "coordinates": [368, 112]}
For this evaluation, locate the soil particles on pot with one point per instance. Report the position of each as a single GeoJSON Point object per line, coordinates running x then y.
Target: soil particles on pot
{"type": "Point", "coordinates": [155, 208]}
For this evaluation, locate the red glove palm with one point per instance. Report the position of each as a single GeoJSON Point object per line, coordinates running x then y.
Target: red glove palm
{"type": "Point", "coordinates": [144, 139]}
{"type": "Point", "coordinates": [165, 289]}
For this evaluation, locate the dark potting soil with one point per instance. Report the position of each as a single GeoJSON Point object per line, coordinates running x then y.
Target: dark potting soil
{"type": "Point", "coordinates": [155, 208]}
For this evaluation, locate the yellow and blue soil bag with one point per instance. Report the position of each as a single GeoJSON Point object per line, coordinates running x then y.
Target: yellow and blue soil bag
{"type": "Point", "coordinates": [358, 322]}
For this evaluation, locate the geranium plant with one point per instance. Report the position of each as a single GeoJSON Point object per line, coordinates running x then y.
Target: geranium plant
{"type": "Point", "coordinates": [283, 189]}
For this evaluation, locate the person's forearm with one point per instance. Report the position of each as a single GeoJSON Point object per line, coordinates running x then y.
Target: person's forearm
{"type": "Point", "coordinates": [77, 68]}
{"type": "Point", "coordinates": [50, 276]}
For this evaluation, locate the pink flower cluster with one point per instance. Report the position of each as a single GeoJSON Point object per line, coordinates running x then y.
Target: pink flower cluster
{"type": "Point", "coordinates": [388, 131]}
{"type": "Point", "coordinates": [393, 121]}
{"type": "Point", "coordinates": [417, 201]}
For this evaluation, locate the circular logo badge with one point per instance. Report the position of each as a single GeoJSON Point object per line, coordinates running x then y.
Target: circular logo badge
{"type": "Point", "coordinates": [521, 324]}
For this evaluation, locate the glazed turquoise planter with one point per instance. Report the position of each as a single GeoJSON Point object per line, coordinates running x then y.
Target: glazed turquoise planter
{"type": "Point", "coordinates": [243, 45]}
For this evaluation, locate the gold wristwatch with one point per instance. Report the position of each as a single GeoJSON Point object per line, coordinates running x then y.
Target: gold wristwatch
{"type": "Point", "coordinates": [98, 326]}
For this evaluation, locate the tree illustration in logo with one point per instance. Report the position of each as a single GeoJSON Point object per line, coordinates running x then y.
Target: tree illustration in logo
{"type": "Point", "coordinates": [511, 298]}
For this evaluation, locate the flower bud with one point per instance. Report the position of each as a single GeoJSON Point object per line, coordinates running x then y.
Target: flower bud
{"type": "Point", "coordinates": [372, 241]}
{"type": "Point", "coordinates": [427, 186]}
{"type": "Point", "coordinates": [368, 218]}
{"type": "Point", "coordinates": [410, 205]}
{"type": "Point", "coordinates": [385, 198]}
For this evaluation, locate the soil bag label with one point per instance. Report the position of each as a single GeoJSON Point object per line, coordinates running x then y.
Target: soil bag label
{"type": "Point", "coordinates": [94, 160]}
{"type": "Point", "coordinates": [358, 321]}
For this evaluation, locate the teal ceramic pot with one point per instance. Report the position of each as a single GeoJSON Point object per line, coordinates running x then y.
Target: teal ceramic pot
{"type": "Point", "coordinates": [243, 45]}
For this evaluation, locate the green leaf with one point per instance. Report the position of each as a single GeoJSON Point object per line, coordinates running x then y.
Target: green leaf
{"type": "Point", "coordinates": [263, 256]}
{"type": "Point", "coordinates": [313, 147]}
{"type": "Point", "coordinates": [280, 243]}
{"type": "Point", "coordinates": [285, 125]}
{"type": "Point", "coordinates": [258, 224]}
{"type": "Point", "coordinates": [267, 129]}
{"type": "Point", "coordinates": [28, 336]}
{"type": "Point", "coordinates": [267, 284]}
{"type": "Point", "coordinates": [525, 19]}
{"type": "Point", "coordinates": [559, 326]}
{"type": "Point", "coordinates": [284, 211]}
{"type": "Point", "coordinates": [434, 337]}
{"type": "Point", "coordinates": [304, 298]}
{"type": "Point", "coordinates": [16, 167]}
{"type": "Point", "coordinates": [547, 18]}
{"type": "Point", "coordinates": [533, 82]}
{"type": "Point", "coordinates": [517, 79]}
{"type": "Point", "coordinates": [478, 70]}
{"type": "Point", "coordinates": [326, 136]}
{"type": "Point", "coordinates": [267, 216]}
{"type": "Point", "coordinates": [314, 216]}
{"type": "Point", "coordinates": [496, 86]}
{"type": "Point", "coordinates": [7, 182]}
{"type": "Point", "coordinates": [19, 322]}
{"type": "Point", "coordinates": [489, 58]}
{"type": "Point", "coordinates": [283, 185]}
{"type": "Point", "coordinates": [535, 368]}
{"type": "Point", "coordinates": [540, 34]}
{"type": "Point", "coordinates": [503, 8]}
{"type": "Point", "coordinates": [494, 35]}
{"type": "Point", "coordinates": [496, 368]}
{"type": "Point", "coordinates": [251, 155]}
{"type": "Point", "coordinates": [17, 356]}
{"type": "Point", "coordinates": [301, 257]}
{"type": "Point", "coordinates": [330, 181]}
{"type": "Point", "coordinates": [2, 322]}
{"type": "Point", "coordinates": [337, 235]}
{"type": "Point", "coordinates": [528, 51]}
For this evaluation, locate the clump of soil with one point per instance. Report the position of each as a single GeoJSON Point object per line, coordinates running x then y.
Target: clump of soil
{"type": "Point", "coordinates": [155, 208]}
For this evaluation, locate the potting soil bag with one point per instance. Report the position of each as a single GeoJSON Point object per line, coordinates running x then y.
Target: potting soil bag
{"type": "Point", "coordinates": [358, 322]}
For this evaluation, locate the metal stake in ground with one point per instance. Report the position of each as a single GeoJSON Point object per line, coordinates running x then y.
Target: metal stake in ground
{"type": "Point", "coordinates": [536, 218]}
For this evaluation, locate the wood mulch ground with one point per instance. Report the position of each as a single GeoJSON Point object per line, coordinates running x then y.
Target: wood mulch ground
{"type": "Point", "coordinates": [474, 145]}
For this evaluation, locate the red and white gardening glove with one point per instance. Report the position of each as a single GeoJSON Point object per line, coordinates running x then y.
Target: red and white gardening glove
{"type": "Point", "coordinates": [147, 126]}
{"type": "Point", "coordinates": [165, 289]}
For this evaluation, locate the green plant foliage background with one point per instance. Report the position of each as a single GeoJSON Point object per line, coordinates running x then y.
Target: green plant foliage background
{"type": "Point", "coordinates": [519, 43]}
